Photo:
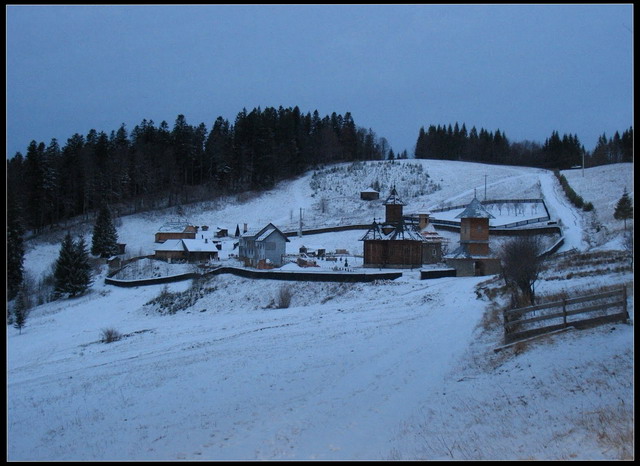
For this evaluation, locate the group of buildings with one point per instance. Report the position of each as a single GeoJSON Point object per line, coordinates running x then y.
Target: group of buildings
{"type": "Point", "coordinates": [411, 241]}
{"type": "Point", "coordinates": [263, 248]}
{"type": "Point", "coordinates": [398, 241]}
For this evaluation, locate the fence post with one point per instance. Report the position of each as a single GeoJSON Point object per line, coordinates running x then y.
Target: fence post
{"type": "Point", "coordinates": [506, 327]}
{"type": "Point", "coordinates": [564, 311]}
{"type": "Point", "coordinates": [624, 302]}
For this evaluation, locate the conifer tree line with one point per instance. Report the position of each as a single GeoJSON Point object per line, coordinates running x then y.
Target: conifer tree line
{"type": "Point", "coordinates": [155, 166]}
{"type": "Point", "coordinates": [457, 143]}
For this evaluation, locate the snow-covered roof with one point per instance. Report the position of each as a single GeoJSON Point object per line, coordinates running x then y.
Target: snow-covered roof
{"type": "Point", "coordinates": [251, 232]}
{"type": "Point", "coordinates": [461, 252]}
{"type": "Point", "coordinates": [400, 231]}
{"type": "Point", "coordinates": [189, 245]}
{"type": "Point", "coordinates": [475, 210]}
{"type": "Point", "coordinates": [171, 245]}
{"type": "Point", "coordinates": [174, 227]}
{"type": "Point", "coordinates": [199, 245]}
{"type": "Point", "coordinates": [263, 233]}
{"type": "Point", "coordinates": [369, 190]}
{"type": "Point", "coordinates": [394, 198]}
{"type": "Point", "coordinates": [431, 236]}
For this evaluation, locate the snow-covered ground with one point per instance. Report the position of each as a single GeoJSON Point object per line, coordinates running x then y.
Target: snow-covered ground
{"type": "Point", "coordinates": [401, 369]}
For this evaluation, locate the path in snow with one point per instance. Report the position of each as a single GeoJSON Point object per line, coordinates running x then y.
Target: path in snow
{"type": "Point", "coordinates": [319, 382]}
{"type": "Point", "coordinates": [560, 207]}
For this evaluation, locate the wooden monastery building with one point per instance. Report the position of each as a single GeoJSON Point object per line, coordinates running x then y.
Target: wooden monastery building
{"type": "Point", "coordinates": [473, 257]}
{"type": "Point", "coordinates": [400, 242]}
{"type": "Point", "coordinates": [176, 230]}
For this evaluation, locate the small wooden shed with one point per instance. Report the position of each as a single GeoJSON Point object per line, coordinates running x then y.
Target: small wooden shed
{"type": "Point", "coordinates": [369, 195]}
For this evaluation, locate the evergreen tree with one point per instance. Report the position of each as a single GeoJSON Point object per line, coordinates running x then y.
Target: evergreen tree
{"type": "Point", "coordinates": [105, 238]}
{"type": "Point", "coordinates": [626, 142]}
{"type": "Point", "coordinates": [81, 272]}
{"type": "Point", "coordinates": [34, 181]}
{"type": "Point", "coordinates": [15, 250]}
{"type": "Point", "coordinates": [421, 151]}
{"type": "Point", "coordinates": [20, 311]}
{"type": "Point", "coordinates": [64, 265]}
{"type": "Point", "coordinates": [624, 208]}
{"type": "Point", "coordinates": [72, 271]}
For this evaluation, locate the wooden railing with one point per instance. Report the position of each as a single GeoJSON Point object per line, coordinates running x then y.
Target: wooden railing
{"type": "Point", "coordinates": [582, 312]}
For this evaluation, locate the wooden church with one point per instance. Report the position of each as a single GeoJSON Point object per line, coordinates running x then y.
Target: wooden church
{"type": "Point", "coordinates": [394, 243]}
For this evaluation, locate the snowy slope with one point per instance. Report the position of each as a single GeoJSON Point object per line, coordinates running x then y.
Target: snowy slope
{"type": "Point", "coordinates": [391, 370]}
{"type": "Point", "coordinates": [603, 186]}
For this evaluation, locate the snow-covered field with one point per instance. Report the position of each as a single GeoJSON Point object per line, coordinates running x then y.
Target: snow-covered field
{"type": "Point", "coordinates": [402, 369]}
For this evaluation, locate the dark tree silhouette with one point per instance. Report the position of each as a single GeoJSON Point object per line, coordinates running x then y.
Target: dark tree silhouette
{"type": "Point", "coordinates": [105, 238]}
{"type": "Point", "coordinates": [521, 265]}
{"type": "Point", "coordinates": [72, 272]}
{"type": "Point", "coordinates": [624, 208]}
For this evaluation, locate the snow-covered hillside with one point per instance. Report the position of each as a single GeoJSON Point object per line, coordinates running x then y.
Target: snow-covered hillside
{"type": "Point", "coordinates": [603, 186]}
{"type": "Point", "coordinates": [401, 369]}
{"type": "Point", "coordinates": [331, 196]}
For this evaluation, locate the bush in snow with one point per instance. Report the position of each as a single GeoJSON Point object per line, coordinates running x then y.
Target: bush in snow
{"type": "Point", "coordinates": [283, 300]}
{"type": "Point", "coordinates": [170, 303]}
{"type": "Point", "coordinates": [110, 335]}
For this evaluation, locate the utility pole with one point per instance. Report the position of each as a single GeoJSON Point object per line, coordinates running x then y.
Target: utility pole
{"type": "Point", "coordinates": [300, 228]}
{"type": "Point", "coordinates": [485, 187]}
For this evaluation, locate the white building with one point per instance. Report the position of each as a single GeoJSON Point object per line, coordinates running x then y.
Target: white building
{"type": "Point", "coordinates": [263, 247]}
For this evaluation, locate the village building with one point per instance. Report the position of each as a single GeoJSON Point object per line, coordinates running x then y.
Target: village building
{"type": "Point", "coordinates": [222, 232]}
{"type": "Point", "coordinates": [188, 250]}
{"type": "Point", "coordinates": [432, 241]}
{"type": "Point", "coordinates": [474, 257]}
{"type": "Point", "coordinates": [395, 243]}
{"type": "Point", "coordinates": [176, 230]}
{"type": "Point", "coordinates": [369, 195]}
{"type": "Point", "coordinates": [263, 248]}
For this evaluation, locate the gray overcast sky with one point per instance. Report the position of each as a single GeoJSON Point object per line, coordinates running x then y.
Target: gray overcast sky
{"type": "Point", "coordinates": [526, 70]}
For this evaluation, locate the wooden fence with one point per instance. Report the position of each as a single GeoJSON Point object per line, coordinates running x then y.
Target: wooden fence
{"type": "Point", "coordinates": [341, 277]}
{"type": "Point", "coordinates": [582, 312]}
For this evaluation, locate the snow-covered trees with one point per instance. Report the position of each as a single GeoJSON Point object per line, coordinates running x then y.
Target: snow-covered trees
{"type": "Point", "coordinates": [72, 273]}
{"type": "Point", "coordinates": [105, 237]}
{"type": "Point", "coordinates": [624, 208]}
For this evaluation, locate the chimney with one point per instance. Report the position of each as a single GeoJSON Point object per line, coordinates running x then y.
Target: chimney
{"type": "Point", "coordinates": [423, 221]}
{"type": "Point", "coordinates": [245, 228]}
{"type": "Point", "coordinates": [206, 240]}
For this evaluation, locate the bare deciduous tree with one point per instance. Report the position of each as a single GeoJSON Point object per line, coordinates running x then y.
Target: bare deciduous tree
{"type": "Point", "coordinates": [521, 265]}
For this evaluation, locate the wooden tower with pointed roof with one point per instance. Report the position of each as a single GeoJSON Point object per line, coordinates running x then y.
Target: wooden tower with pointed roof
{"type": "Point", "coordinates": [393, 207]}
{"type": "Point", "coordinates": [474, 228]}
